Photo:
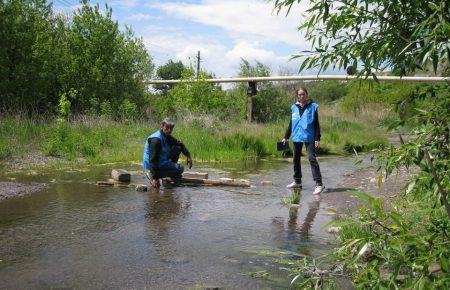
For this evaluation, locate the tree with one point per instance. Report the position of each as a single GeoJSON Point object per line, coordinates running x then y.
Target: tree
{"type": "Point", "coordinates": [170, 71]}
{"type": "Point", "coordinates": [29, 48]}
{"type": "Point", "coordinates": [193, 96]}
{"type": "Point", "coordinates": [257, 70]}
{"type": "Point", "coordinates": [105, 65]}
{"type": "Point", "coordinates": [270, 103]}
{"type": "Point", "coordinates": [402, 36]}
{"type": "Point", "coordinates": [44, 56]}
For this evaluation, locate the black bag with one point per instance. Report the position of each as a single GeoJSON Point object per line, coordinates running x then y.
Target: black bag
{"type": "Point", "coordinates": [283, 146]}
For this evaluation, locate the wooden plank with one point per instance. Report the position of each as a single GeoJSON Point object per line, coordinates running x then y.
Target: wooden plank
{"type": "Point", "coordinates": [105, 183]}
{"type": "Point", "coordinates": [218, 182]}
{"type": "Point", "coordinates": [197, 175]}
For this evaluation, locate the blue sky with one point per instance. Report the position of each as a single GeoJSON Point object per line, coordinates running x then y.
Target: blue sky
{"type": "Point", "coordinates": [223, 31]}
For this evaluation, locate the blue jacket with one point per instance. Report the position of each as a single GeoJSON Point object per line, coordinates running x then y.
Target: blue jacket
{"type": "Point", "coordinates": [164, 158]}
{"type": "Point", "coordinates": [303, 126]}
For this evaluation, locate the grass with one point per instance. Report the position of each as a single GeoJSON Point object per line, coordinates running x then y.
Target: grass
{"type": "Point", "coordinates": [97, 140]}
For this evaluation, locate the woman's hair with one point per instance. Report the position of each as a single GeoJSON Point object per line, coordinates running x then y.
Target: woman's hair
{"type": "Point", "coordinates": [302, 89]}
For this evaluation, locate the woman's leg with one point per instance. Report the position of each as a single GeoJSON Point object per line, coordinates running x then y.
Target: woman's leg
{"type": "Point", "coordinates": [315, 169]}
{"type": "Point", "coordinates": [297, 167]}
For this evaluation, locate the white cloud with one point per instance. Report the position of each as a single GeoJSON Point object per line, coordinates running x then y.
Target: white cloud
{"type": "Point", "coordinates": [251, 51]}
{"type": "Point", "coordinates": [127, 4]}
{"type": "Point", "coordinates": [139, 17]}
{"type": "Point", "coordinates": [243, 19]}
{"type": "Point", "coordinates": [215, 57]}
{"type": "Point", "coordinates": [251, 29]}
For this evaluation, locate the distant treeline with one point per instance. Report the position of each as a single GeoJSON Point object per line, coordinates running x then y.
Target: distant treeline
{"type": "Point", "coordinates": [84, 59]}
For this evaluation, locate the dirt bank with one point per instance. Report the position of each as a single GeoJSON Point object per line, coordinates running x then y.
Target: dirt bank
{"type": "Point", "coordinates": [33, 159]}
{"type": "Point", "coordinates": [366, 180]}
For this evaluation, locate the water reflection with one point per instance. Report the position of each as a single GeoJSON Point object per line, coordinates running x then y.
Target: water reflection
{"type": "Point", "coordinates": [313, 208]}
{"type": "Point", "coordinates": [297, 230]}
{"type": "Point", "coordinates": [163, 208]}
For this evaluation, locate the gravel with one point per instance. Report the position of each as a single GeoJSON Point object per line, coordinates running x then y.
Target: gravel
{"type": "Point", "coordinates": [12, 189]}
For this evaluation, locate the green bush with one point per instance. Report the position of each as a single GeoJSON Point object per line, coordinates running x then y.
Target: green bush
{"type": "Point", "coordinates": [271, 104]}
{"type": "Point", "coordinates": [106, 109]}
{"type": "Point", "coordinates": [362, 94]}
{"type": "Point", "coordinates": [197, 98]}
{"type": "Point", "coordinates": [128, 110]}
{"type": "Point", "coordinates": [326, 91]}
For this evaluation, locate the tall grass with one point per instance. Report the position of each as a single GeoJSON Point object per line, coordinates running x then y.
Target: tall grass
{"type": "Point", "coordinates": [99, 140]}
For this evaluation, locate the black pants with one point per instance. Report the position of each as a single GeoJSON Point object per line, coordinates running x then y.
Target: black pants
{"type": "Point", "coordinates": [315, 169]}
{"type": "Point", "coordinates": [171, 169]}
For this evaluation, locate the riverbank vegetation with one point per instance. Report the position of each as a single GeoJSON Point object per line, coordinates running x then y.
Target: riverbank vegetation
{"type": "Point", "coordinates": [403, 243]}
{"type": "Point", "coordinates": [97, 139]}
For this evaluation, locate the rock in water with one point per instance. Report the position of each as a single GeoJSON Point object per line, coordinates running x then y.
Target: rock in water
{"type": "Point", "coordinates": [141, 187]}
{"type": "Point", "coordinates": [198, 175]}
{"type": "Point", "coordinates": [333, 230]}
{"type": "Point", "coordinates": [121, 175]}
{"type": "Point", "coordinates": [266, 182]}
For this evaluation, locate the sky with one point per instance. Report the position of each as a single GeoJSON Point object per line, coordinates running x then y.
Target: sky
{"type": "Point", "coordinates": [223, 32]}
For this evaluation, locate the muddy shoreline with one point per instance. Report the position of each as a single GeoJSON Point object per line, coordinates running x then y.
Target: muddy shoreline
{"type": "Point", "coordinates": [366, 180]}
{"type": "Point", "coordinates": [9, 189]}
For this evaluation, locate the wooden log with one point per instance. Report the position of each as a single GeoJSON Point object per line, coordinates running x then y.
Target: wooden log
{"type": "Point", "coordinates": [121, 175]}
{"type": "Point", "coordinates": [105, 183]}
{"type": "Point", "coordinates": [197, 175]}
{"type": "Point", "coordinates": [218, 182]}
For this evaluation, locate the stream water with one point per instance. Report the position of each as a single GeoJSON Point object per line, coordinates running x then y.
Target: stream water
{"type": "Point", "coordinates": [77, 235]}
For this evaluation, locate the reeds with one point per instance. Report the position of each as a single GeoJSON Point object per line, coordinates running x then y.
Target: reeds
{"type": "Point", "coordinates": [99, 140]}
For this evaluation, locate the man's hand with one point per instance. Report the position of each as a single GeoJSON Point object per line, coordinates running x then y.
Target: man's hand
{"type": "Point", "coordinates": [284, 141]}
{"type": "Point", "coordinates": [155, 183]}
{"type": "Point", "coordinates": [189, 162]}
{"type": "Point", "coordinates": [317, 144]}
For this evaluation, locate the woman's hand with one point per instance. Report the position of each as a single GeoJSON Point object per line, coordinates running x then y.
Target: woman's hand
{"type": "Point", "coordinates": [284, 141]}
{"type": "Point", "coordinates": [317, 144]}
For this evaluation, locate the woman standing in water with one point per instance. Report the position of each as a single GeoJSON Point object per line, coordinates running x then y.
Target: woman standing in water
{"type": "Point", "coordinates": [304, 129]}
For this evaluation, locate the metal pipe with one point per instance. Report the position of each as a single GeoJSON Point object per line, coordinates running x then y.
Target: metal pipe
{"type": "Point", "coordinates": [305, 78]}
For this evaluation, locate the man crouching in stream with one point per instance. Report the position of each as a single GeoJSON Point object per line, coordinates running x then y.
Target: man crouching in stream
{"type": "Point", "coordinates": [161, 154]}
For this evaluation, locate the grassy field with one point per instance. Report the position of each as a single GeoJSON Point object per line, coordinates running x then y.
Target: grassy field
{"type": "Point", "coordinates": [98, 140]}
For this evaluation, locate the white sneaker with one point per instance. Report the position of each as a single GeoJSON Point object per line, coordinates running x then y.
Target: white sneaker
{"type": "Point", "coordinates": [294, 185]}
{"type": "Point", "coordinates": [318, 189]}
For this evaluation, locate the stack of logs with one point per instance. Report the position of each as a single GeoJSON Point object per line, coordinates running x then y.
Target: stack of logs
{"type": "Point", "coordinates": [122, 177]}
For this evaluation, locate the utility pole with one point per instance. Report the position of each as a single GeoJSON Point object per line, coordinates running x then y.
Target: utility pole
{"type": "Point", "coordinates": [198, 64]}
{"type": "Point", "coordinates": [251, 91]}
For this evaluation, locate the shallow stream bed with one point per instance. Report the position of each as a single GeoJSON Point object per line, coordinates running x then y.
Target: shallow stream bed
{"type": "Point", "coordinates": [75, 234]}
